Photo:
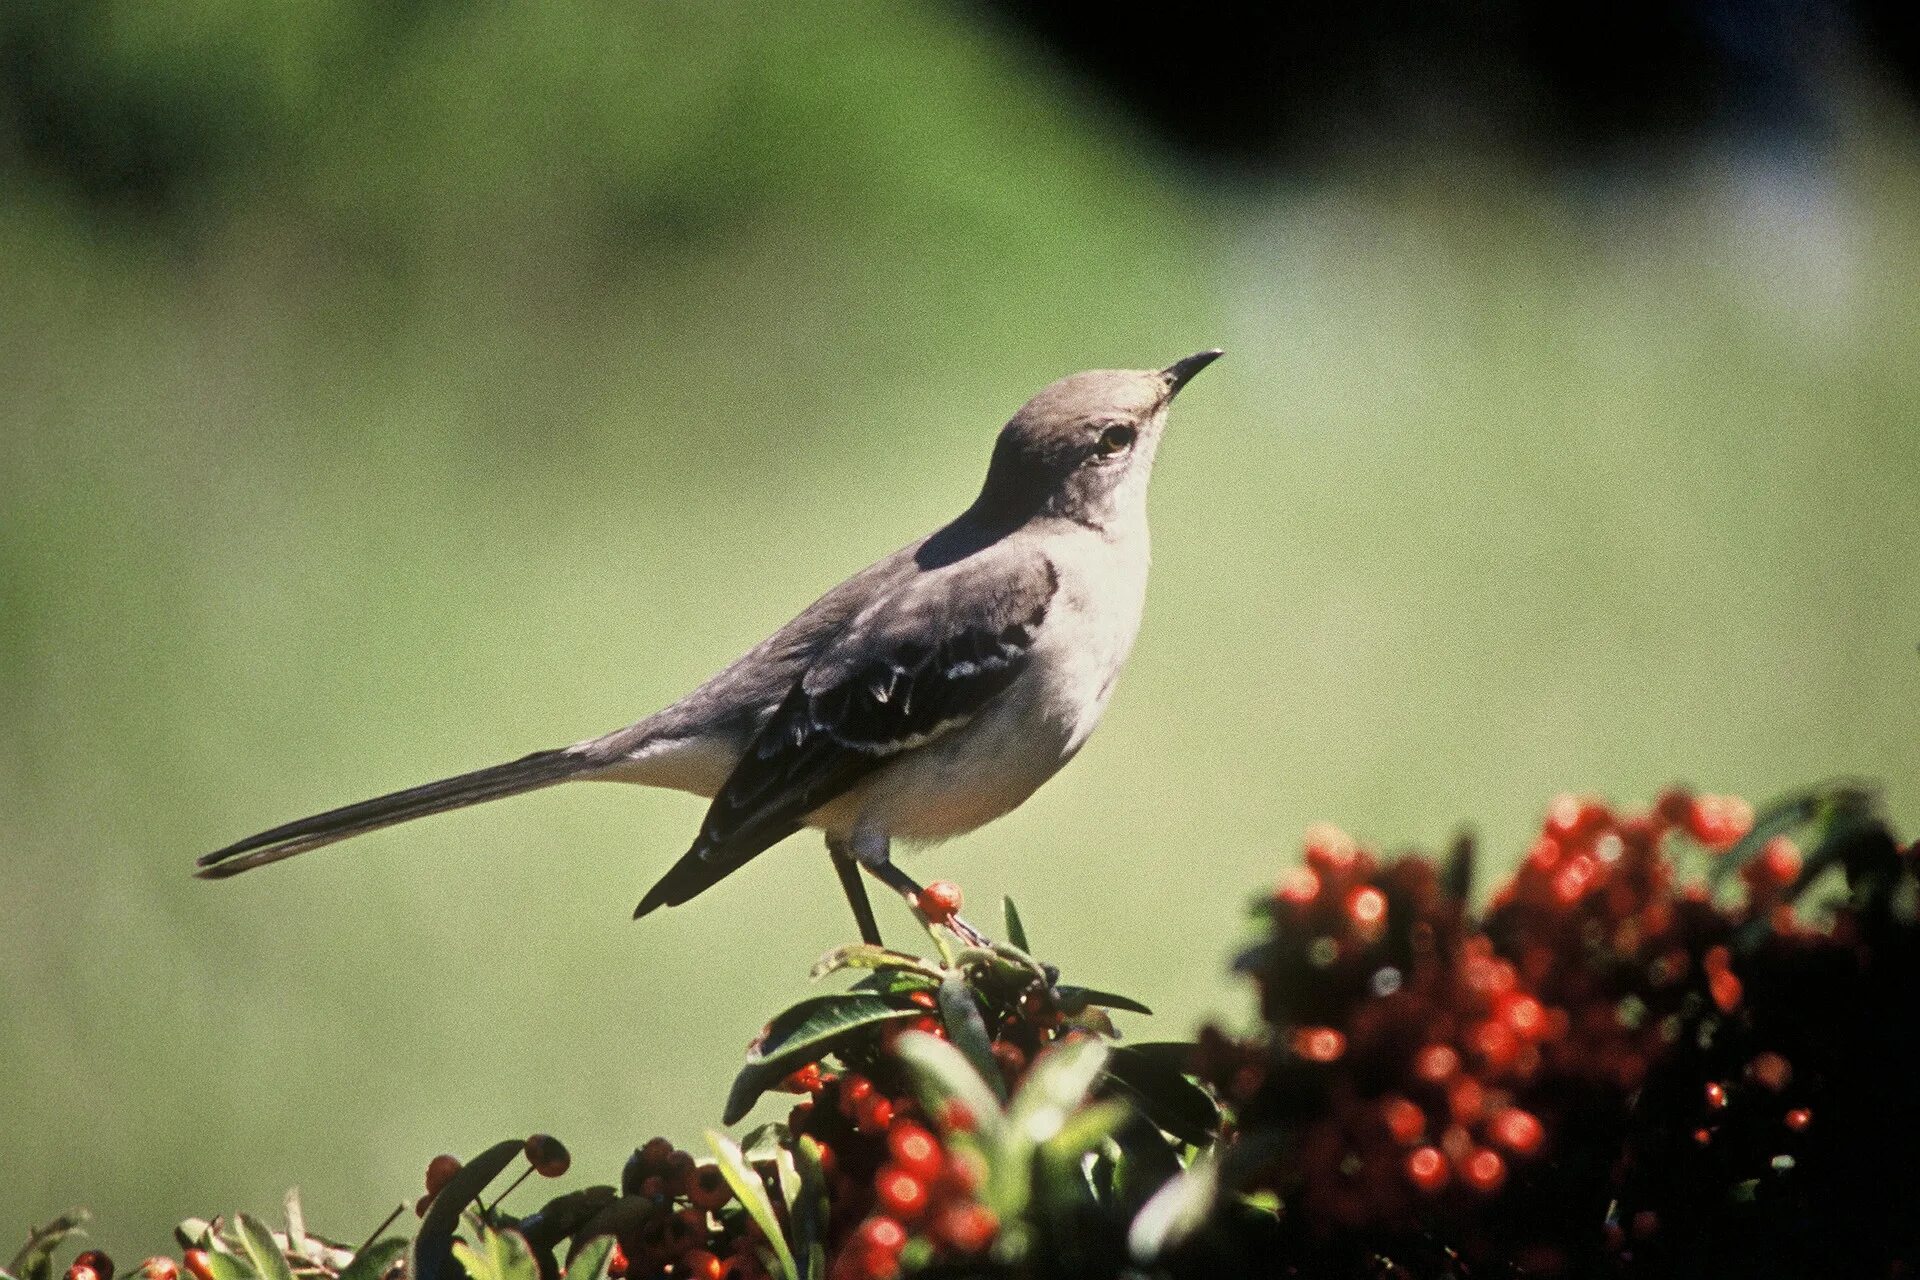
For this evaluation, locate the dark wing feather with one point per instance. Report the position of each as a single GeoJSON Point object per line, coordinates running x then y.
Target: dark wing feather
{"type": "Point", "coordinates": [909, 670]}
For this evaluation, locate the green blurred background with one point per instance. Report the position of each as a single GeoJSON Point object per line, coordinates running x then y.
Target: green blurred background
{"type": "Point", "coordinates": [389, 390]}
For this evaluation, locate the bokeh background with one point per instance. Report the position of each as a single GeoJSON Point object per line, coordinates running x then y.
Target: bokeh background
{"type": "Point", "coordinates": [388, 389]}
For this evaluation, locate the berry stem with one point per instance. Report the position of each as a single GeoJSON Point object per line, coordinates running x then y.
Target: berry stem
{"type": "Point", "coordinates": [387, 1222]}
{"type": "Point", "coordinates": [488, 1211]}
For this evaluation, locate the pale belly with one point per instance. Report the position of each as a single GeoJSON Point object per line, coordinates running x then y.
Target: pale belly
{"type": "Point", "coordinates": [988, 767]}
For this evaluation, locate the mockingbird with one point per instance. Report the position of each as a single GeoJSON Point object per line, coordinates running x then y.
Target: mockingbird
{"type": "Point", "coordinates": [925, 696]}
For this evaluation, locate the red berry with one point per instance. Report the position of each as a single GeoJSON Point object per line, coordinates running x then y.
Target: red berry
{"type": "Point", "coordinates": [853, 1091]}
{"type": "Point", "coordinates": [1367, 910]}
{"type": "Point", "coordinates": [1011, 1058]}
{"type": "Point", "coordinates": [198, 1264]}
{"type": "Point", "coordinates": [914, 1149]}
{"type": "Point", "coordinates": [709, 1189]}
{"type": "Point", "coordinates": [656, 1153]}
{"type": "Point", "coordinates": [419, 1210]}
{"type": "Point", "coordinates": [1726, 990]}
{"type": "Point", "coordinates": [1484, 1171]}
{"type": "Point", "coordinates": [1466, 1100]}
{"type": "Point", "coordinates": [901, 1195]}
{"type": "Point", "coordinates": [97, 1262]}
{"type": "Point", "coordinates": [81, 1271]}
{"type": "Point", "coordinates": [875, 1114]}
{"type": "Point", "coordinates": [700, 1264]}
{"type": "Point", "coordinates": [1298, 887]}
{"type": "Point", "coordinates": [1427, 1169]}
{"type": "Point", "coordinates": [1798, 1119]}
{"type": "Point", "coordinates": [1524, 1016]}
{"type": "Point", "coordinates": [1719, 821]}
{"type": "Point", "coordinates": [1436, 1063]}
{"type": "Point", "coordinates": [1494, 1044]}
{"type": "Point", "coordinates": [1770, 1071]}
{"type": "Point", "coordinates": [956, 1116]}
{"type": "Point", "coordinates": [1645, 1223]}
{"type": "Point", "coordinates": [160, 1268]}
{"type": "Point", "coordinates": [1319, 1044]}
{"type": "Point", "coordinates": [1330, 850]}
{"type": "Point", "coordinates": [966, 1228]}
{"type": "Point", "coordinates": [940, 901]}
{"type": "Point", "coordinates": [1716, 1094]}
{"type": "Point", "coordinates": [617, 1261]}
{"type": "Point", "coordinates": [1702, 1136]}
{"type": "Point", "coordinates": [884, 1234]}
{"type": "Point", "coordinates": [440, 1171]}
{"type": "Point", "coordinates": [547, 1155]}
{"type": "Point", "coordinates": [1518, 1131]}
{"type": "Point", "coordinates": [680, 1173]}
{"type": "Point", "coordinates": [1404, 1121]}
{"type": "Point", "coordinates": [962, 1174]}
{"type": "Point", "coordinates": [1776, 867]}
{"type": "Point", "coordinates": [805, 1080]}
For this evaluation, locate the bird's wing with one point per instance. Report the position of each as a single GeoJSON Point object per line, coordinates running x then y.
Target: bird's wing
{"type": "Point", "coordinates": [915, 665]}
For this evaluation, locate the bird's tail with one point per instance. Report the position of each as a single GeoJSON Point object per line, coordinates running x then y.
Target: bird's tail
{"type": "Point", "coordinates": [529, 773]}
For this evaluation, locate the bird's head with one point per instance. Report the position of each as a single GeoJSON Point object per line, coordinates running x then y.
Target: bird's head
{"type": "Point", "coordinates": [1083, 448]}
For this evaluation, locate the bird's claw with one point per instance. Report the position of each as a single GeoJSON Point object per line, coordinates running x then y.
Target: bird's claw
{"type": "Point", "coordinates": [968, 934]}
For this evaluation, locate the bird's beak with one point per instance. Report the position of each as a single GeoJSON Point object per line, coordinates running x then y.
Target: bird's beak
{"type": "Point", "coordinates": [1180, 372]}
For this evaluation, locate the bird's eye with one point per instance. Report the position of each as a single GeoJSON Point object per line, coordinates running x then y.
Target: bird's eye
{"type": "Point", "coordinates": [1117, 439]}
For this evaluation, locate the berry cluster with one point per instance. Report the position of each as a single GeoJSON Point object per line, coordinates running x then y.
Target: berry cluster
{"type": "Point", "coordinates": [903, 1195]}
{"type": "Point", "coordinates": [892, 1182]}
{"type": "Point", "coordinates": [1520, 1087]}
{"type": "Point", "coordinates": [673, 1226]}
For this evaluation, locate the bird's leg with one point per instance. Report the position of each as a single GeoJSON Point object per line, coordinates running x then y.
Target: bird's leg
{"type": "Point", "coordinates": [875, 854]}
{"type": "Point", "coordinates": [856, 890]}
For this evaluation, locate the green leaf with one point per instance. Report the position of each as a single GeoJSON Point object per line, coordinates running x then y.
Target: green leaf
{"type": "Point", "coordinates": [433, 1245]}
{"type": "Point", "coordinates": [1176, 1211]}
{"type": "Point", "coordinates": [1073, 999]}
{"type": "Point", "coordinates": [763, 1140]}
{"type": "Point", "coordinates": [894, 982]}
{"type": "Point", "coordinates": [257, 1243]}
{"type": "Point", "coordinates": [591, 1259]}
{"type": "Point", "coordinates": [193, 1233]}
{"type": "Point", "coordinates": [1055, 1087]}
{"type": "Point", "coordinates": [967, 1029]}
{"type": "Point", "coordinates": [298, 1242]}
{"type": "Point", "coordinates": [867, 955]}
{"type": "Point", "coordinates": [809, 1210]}
{"type": "Point", "coordinates": [1059, 1081]}
{"type": "Point", "coordinates": [501, 1255]}
{"type": "Point", "coordinates": [752, 1193]}
{"type": "Point", "coordinates": [940, 1072]}
{"type": "Point", "coordinates": [1086, 1129]}
{"type": "Point", "coordinates": [34, 1261]}
{"type": "Point", "coordinates": [1778, 818]}
{"type": "Point", "coordinates": [374, 1261]}
{"type": "Point", "coordinates": [563, 1218]}
{"type": "Point", "coordinates": [1151, 1076]}
{"type": "Point", "coordinates": [1016, 931]}
{"type": "Point", "coordinates": [227, 1266]}
{"type": "Point", "coordinates": [801, 1035]}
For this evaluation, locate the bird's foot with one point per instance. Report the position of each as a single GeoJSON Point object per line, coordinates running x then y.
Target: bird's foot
{"type": "Point", "coordinates": [967, 933]}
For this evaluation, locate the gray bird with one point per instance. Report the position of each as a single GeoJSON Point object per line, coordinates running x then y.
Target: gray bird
{"type": "Point", "coordinates": [923, 697]}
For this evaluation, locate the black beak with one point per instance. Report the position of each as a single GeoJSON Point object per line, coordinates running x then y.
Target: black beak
{"type": "Point", "coordinates": [1180, 372]}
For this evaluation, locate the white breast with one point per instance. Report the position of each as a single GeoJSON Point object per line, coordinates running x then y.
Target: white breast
{"type": "Point", "coordinates": [989, 766]}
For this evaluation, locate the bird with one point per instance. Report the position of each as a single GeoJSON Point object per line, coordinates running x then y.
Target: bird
{"type": "Point", "coordinates": [925, 696]}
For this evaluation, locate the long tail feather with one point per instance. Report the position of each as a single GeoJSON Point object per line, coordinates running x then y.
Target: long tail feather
{"type": "Point", "coordinates": [541, 769]}
{"type": "Point", "coordinates": [704, 866]}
